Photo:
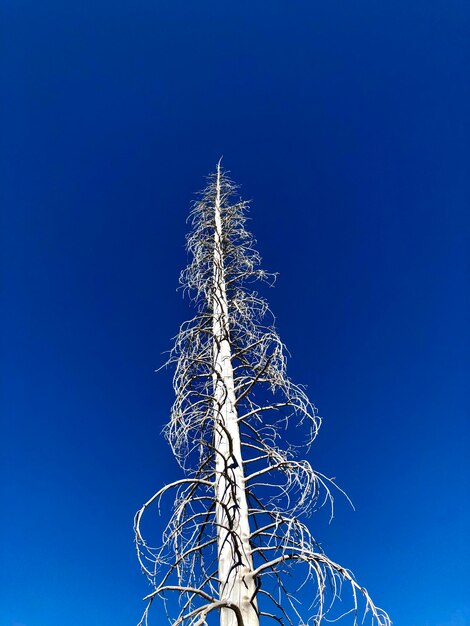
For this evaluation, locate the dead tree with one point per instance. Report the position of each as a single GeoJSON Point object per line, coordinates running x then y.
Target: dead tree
{"type": "Point", "coordinates": [235, 532]}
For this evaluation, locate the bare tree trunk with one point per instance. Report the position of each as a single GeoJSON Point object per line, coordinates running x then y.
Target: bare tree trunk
{"type": "Point", "coordinates": [235, 520]}
{"type": "Point", "coordinates": [237, 584]}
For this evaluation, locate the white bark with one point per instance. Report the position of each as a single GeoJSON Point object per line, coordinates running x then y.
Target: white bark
{"type": "Point", "coordinates": [233, 538]}
{"type": "Point", "coordinates": [237, 584]}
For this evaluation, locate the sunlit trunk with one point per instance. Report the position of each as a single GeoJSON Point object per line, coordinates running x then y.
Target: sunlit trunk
{"type": "Point", "coordinates": [233, 530]}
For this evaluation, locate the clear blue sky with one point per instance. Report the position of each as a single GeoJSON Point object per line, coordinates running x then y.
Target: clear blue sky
{"type": "Point", "coordinates": [348, 125]}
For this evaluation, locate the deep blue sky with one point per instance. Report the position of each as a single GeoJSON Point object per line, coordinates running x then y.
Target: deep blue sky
{"type": "Point", "coordinates": [347, 123]}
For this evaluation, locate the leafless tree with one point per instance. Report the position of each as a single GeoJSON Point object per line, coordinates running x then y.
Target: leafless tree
{"type": "Point", "coordinates": [235, 535]}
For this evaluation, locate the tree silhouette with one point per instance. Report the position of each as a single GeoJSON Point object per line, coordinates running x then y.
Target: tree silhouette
{"type": "Point", "coordinates": [235, 538]}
